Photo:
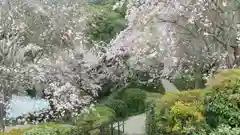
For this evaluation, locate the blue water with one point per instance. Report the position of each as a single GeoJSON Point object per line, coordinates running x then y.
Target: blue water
{"type": "Point", "coordinates": [20, 105]}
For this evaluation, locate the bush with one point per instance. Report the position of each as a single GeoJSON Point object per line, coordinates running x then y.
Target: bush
{"type": "Point", "coordinates": [119, 106]}
{"type": "Point", "coordinates": [104, 24]}
{"type": "Point", "coordinates": [42, 131]}
{"type": "Point", "coordinates": [142, 80]}
{"type": "Point", "coordinates": [36, 130]}
{"type": "Point", "coordinates": [177, 112]}
{"type": "Point", "coordinates": [135, 100]}
{"type": "Point", "coordinates": [15, 131]}
{"type": "Point", "coordinates": [170, 98]}
{"type": "Point", "coordinates": [184, 81]}
{"type": "Point", "coordinates": [49, 129]}
{"type": "Point", "coordinates": [99, 115]}
{"type": "Point", "coordinates": [222, 106]}
{"type": "Point", "coordinates": [150, 87]}
{"type": "Point", "coordinates": [223, 79]}
{"type": "Point", "coordinates": [184, 116]}
{"type": "Point", "coordinates": [226, 130]}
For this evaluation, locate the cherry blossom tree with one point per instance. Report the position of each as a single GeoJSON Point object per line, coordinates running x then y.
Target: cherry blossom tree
{"type": "Point", "coordinates": [201, 36]}
{"type": "Point", "coordinates": [206, 34]}
{"type": "Point", "coordinates": [30, 33]}
{"type": "Point", "coordinates": [54, 47]}
{"type": "Point", "coordinates": [43, 46]}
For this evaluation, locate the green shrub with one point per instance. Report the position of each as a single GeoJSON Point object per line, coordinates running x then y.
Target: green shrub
{"type": "Point", "coordinates": [104, 24]}
{"type": "Point", "coordinates": [49, 129]}
{"type": "Point", "coordinates": [177, 112]}
{"type": "Point", "coordinates": [223, 79]}
{"type": "Point", "coordinates": [184, 116]}
{"type": "Point", "coordinates": [226, 130]}
{"type": "Point", "coordinates": [149, 87]}
{"type": "Point", "coordinates": [36, 129]}
{"type": "Point", "coordinates": [15, 131]}
{"type": "Point", "coordinates": [97, 116]}
{"type": "Point", "coordinates": [135, 100]}
{"type": "Point", "coordinates": [42, 131]}
{"type": "Point", "coordinates": [144, 81]}
{"type": "Point", "coordinates": [184, 81]}
{"type": "Point", "coordinates": [170, 98]}
{"type": "Point", "coordinates": [222, 106]}
{"type": "Point", "coordinates": [119, 106]}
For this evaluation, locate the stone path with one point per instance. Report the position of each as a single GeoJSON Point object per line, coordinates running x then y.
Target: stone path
{"type": "Point", "coordinates": [168, 86]}
{"type": "Point", "coordinates": [134, 125]}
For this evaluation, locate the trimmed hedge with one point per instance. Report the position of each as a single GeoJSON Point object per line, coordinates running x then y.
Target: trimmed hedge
{"type": "Point", "coordinates": [135, 100]}
{"type": "Point", "coordinates": [119, 106]}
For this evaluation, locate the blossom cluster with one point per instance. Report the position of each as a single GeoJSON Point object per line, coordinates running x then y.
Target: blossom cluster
{"type": "Point", "coordinates": [182, 34]}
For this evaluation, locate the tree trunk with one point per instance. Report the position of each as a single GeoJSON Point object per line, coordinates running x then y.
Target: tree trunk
{"type": "Point", "coordinates": [198, 78]}
{"type": "Point", "coordinates": [236, 54]}
{"type": "Point", "coordinates": [2, 116]}
{"type": "Point", "coordinates": [229, 61]}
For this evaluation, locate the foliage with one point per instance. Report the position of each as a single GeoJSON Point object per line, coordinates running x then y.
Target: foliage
{"type": "Point", "coordinates": [34, 129]}
{"type": "Point", "coordinates": [169, 99]}
{"type": "Point", "coordinates": [59, 129]}
{"type": "Point", "coordinates": [94, 117]}
{"type": "Point", "coordinates": [182, 35]}
{"type": "Point", "coordinates": [135, 100]}
{"type": "Point", "coordinates": [92, 120]}
{"type": "Point", "coordinates": [223, 78]}
{"type": "Point", "coordinates": [225, 130]}
{"type": "Point", "coordinates": [222, 105]}
{"type": "Point", "coordinates": [32, 41]}
{"type": "Point", "coordinates": [119, 106]}
{"type": "Point", "coordinates": [185, 81]}
{"type": "Point", "coordinates": [105, 23]}
{"type": "Point", "coordinates": [143, 80]}
{"type": "Point", "coordinates": [31, 92]}
{"type": "Point", "coordinates": [151, 97]}
{"type": "Point", "coordinates": [184, 116]}
{"type": "Point", "coordinates": [15, 131]}
{"type": "Point", "coordinates": [41, 131]}
{"type": "Point", "coordinates": [42, 44]}
{"type": "Point", "coordinates": [177, 112]}
{"type": "Point", "coordinates": [53, 125]}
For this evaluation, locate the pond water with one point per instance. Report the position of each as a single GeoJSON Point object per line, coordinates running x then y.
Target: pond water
{"type": "Point", "coordinates": [20, 105]}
